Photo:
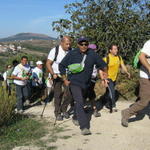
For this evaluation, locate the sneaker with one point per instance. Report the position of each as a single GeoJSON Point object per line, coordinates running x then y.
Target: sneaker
{"type": "Point", "coordinates": [66, 115]}
{"type": "Point", "coordinates": [85, 131]}
{"type": "Point", "coordinates": [19, 111]}
{"type": "Point", "coordinates": [42, 102]}
{"type": "Point", "coordinates": [114, 109]}
{"type": "Point", "coordinates": [124, 120]}
{"type": "Point", "coordinates": [59, 118]}
{"type": "Point", "coordinates": [96, 113]}
{"type": "Point", "coordinates": [75, 122]}
{"type": "Point", "coordinates": [71, 111]}
{"type": "Point", "coordinates": [26, 103]}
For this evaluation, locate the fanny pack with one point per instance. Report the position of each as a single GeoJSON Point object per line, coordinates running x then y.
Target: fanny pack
{"type": "Point", "coordinates": [77, 67]}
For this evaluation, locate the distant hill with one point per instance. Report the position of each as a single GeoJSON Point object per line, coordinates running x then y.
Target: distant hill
{"type": "Point", "coordinates": [27, 36]}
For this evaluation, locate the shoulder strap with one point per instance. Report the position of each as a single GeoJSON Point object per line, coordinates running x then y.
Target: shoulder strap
{"type": "Point", "coordinates": [83, 60]}
{"type": "Point", "coordinates": [119, 57]}
{"type": "Point", "coordinates": [56, 52]}
{"type": "Point", "coordinates": [107, 59]}
{"type": "Point", "coordinates": [20, 66]}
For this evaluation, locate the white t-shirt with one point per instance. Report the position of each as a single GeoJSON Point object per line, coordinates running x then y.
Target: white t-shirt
{"type": "Point", "coordinates": [21, 71]}
{"type": "Point", "coordinates": [143, 71]}
{"type": "Point", "coordinates": [61, 54]}
{"type": "Point", "coordinates": [5, 76]}
{"type": "Point", "coordinates": [37, 75]}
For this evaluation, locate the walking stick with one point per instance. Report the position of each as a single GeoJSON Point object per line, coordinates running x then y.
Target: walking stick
{"type": "Point", "coordinates": [47, 99]}
{"type": "Point", "coordinates": [43, 109]}
{"type": "Point", "coordinates": [110, 94]}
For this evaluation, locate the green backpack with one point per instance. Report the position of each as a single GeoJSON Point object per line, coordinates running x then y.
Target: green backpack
{"type": "Point", "coordinates": [136, 62]}
{"type": "Point", "coordinates": [78, 67]}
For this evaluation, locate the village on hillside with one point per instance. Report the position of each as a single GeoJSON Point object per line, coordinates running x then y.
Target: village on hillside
{"type": "Point", "coordinates": [10, 48]}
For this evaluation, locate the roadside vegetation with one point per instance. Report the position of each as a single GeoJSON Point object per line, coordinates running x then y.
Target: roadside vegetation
{"type": "Point", "coordinates": [18, 130]}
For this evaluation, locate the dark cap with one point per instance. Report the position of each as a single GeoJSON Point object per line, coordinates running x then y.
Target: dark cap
{"type": "Point", "coordinates": [83, 39]}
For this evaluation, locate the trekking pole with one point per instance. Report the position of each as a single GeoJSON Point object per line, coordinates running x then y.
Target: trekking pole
{"type": "Point", "coordinates": [46, 101]}
{"type": "Point", "coordinates": [124, 97]}
{"type": "Point", "coordinates": [110, 94]}
{"type": "Point", "coordinates": [43, 109]}
{"type": "Point", "coordinates": [55, 119]}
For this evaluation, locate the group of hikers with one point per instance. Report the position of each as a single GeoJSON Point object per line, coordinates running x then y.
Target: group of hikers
{"type": "Point", "coordinates": [72, 76]}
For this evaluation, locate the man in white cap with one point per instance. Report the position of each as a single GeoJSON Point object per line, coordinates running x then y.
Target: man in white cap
{"type": "Point", "coordinates": [37, 79]}
{"type": "Point", "coordinates": [37, 74]}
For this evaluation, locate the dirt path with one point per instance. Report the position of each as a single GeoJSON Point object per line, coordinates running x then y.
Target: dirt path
{"type": "Point", "coordinates": [107, 132]}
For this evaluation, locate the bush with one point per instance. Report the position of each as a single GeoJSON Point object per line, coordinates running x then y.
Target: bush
{"type": "Point", "coordinates": [128, 87]}
{"type": "Point", "coordinates": [7, 104]}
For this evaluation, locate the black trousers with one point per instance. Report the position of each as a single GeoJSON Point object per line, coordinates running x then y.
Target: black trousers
{"type": "Point", "coordinates": [22, 95]}
{"type": "Point", "coordinates": [91, 94]}
{"type": "Point", "coordinates": [82, 116]}
{"type": "Point", "coordinates": [110, 94]}
{"type": "Point", "coordinates": [61, 98]}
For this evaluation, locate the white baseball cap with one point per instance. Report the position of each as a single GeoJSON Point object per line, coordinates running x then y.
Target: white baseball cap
{"type": "Point", "coordinates": [39, 62]}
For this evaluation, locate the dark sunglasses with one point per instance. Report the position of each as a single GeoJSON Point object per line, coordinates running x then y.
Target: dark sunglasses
{"type": "Point", "coordinates": [83, 44]}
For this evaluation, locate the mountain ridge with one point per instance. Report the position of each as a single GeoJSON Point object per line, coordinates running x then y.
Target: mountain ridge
{"type": "Point", "coordinates": [27, 36]}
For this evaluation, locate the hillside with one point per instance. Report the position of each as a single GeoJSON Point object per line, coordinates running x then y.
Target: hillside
{"type": "Point", "coordinates": [27, 36]}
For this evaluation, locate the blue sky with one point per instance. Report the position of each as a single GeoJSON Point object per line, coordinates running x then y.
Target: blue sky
{"type": "Point", "coordinates": [35, 16]}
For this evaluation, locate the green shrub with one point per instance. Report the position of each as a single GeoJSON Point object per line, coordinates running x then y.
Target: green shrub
{"type": "Point", "coordinates": [128, 87]}
{"type": "Point", "coordinates": [7, 104]}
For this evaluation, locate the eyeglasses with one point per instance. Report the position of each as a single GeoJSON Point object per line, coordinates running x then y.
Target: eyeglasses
{"type": "Point", "coordinates": [83, 44]}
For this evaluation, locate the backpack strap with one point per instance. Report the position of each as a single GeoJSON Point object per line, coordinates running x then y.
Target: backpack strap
{"type": "Point", "coordinates": [56, 52]}
{"type": "Point", "coordinates": [119, 58]}
{"type": "Point", "coordinates": [107, 59]}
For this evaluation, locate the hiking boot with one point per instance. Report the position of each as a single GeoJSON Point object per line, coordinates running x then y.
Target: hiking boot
{"type": "Point", "coordinates": [85, 131]}
{"type": "Point", "coordinates": [66, 115]}
{"type": "Point", "coordinates": [96, 114]}
{"type": "Point", "coordinates": [59, 117]}
{"type": "Point", "coordinates": [124, 120]}
{"type": "Point", "coordinates": [75, 122]}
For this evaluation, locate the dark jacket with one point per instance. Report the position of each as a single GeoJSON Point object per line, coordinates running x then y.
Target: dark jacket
{"type": "Point", "coordinates": [83, 78]}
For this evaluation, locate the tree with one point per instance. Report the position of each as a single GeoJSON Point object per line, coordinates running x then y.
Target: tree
{"type": "Point", "coordinates": [125, 22]}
